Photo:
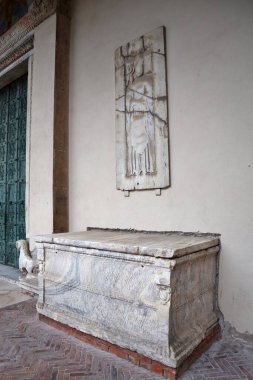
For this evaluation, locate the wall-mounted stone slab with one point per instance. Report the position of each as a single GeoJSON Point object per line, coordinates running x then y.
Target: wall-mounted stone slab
{"type": "Point", "coordinates": [141, 113]}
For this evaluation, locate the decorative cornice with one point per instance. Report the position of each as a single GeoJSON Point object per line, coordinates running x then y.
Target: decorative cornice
{"type": "Point", "coordinates": [17, 52]}
{"type": "Point", "coordinates": [19, 38]}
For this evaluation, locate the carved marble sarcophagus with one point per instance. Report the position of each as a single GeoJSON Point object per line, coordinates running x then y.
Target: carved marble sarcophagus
{"type": "Point", "coordinates": [153, 293]}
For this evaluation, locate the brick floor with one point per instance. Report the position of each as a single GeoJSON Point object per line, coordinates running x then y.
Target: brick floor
{"type": "Point", "coordinates": [231, 358]}
{"type": "Point", "coordinates": [30, 349]}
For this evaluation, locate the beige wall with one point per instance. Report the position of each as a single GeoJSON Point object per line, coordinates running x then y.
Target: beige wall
{"type": "Point", "coordinates": [210, 85]}
{"type": "Point", "coordinates": [42, 126]}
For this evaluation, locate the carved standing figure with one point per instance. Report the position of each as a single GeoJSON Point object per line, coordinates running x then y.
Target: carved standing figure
{"type": "Point", "coordinates": [140, 125]}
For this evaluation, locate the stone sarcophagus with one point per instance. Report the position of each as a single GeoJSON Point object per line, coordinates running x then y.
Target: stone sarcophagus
{"type": "Point", "coordinates": [152, 293]}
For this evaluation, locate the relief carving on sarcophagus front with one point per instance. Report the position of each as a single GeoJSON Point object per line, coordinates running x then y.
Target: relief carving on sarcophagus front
{"type": "Point", "coordinates": [141, 113]}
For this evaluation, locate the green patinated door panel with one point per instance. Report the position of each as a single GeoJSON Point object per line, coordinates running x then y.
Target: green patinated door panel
{"type": "Point", "coordinates": [13, 105]}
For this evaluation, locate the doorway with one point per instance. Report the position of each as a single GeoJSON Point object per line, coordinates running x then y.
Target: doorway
{"type": "Point", "coordinates": [13, 115]}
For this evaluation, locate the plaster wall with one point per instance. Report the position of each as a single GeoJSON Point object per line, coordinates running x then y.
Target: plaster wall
{"type": "Point", "coordinates": [42, 127]}
{"type": "Point", "coordinates": [210, 87]}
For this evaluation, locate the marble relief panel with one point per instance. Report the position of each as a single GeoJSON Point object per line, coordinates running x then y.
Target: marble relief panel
{"type": "Point", "coordinates": [141, 113]}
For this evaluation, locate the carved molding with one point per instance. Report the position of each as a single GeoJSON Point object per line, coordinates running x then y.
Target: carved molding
{"type": "Point", "coordinates": [16, 52]}
{"type": "Point", "coordinates": [18, 40]}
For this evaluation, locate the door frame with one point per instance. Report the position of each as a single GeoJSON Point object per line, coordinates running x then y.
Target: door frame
{"type": "Point", "coordinates": [22, 66]}
{"type": "Point", "coordinates": [38, 44]}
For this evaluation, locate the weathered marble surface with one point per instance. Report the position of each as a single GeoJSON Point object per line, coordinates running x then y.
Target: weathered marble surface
{"type": "Point", "coordinates": [141, 113]}
{"type": "Point", "coordinates": [139, 243]}
{"type": "Point", "coordinates": [152, 293]}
